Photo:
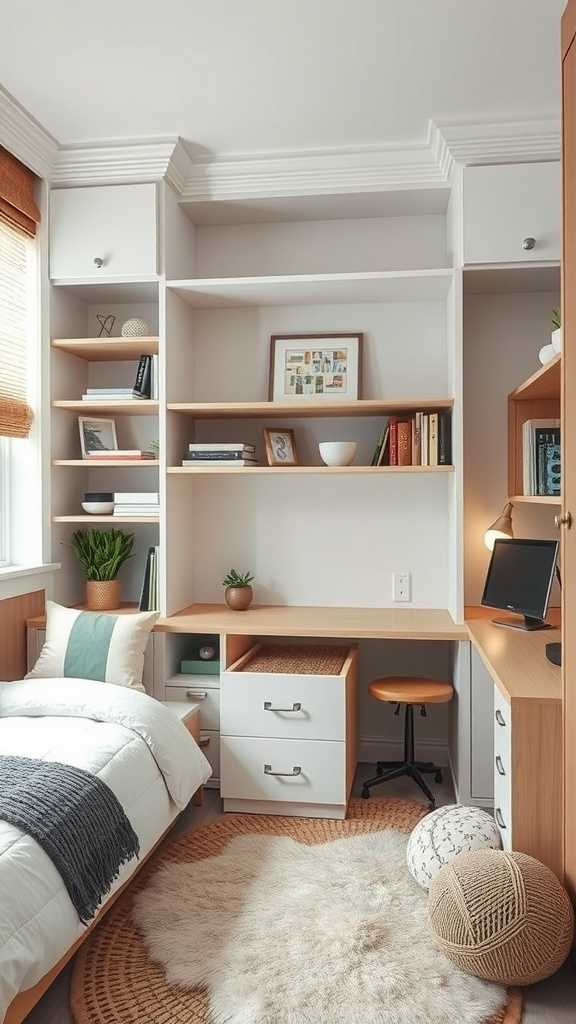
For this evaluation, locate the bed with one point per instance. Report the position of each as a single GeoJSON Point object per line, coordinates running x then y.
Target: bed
{"type": "Point", "coordinates": [144, 755]}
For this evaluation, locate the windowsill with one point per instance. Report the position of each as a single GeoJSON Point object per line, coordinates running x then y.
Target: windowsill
{"type": "Point", "coordinates": [13, 572]}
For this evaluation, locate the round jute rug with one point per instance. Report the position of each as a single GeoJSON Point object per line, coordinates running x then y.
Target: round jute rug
{"type": "Point", "coordinates": [115, 982]}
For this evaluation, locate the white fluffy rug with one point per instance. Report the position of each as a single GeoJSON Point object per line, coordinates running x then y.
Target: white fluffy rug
{"type": "Point", "coordinates": [282, 933]}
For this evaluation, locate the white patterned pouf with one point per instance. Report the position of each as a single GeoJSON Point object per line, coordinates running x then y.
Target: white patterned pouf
{"type": "Point", "coordinates": [445, 833]}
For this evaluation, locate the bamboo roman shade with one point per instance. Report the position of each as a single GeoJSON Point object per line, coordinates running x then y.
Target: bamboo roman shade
{"type": "Point", "coordinates": [17, 204]}
{"type": "Point", "coordinates": [15, 413]}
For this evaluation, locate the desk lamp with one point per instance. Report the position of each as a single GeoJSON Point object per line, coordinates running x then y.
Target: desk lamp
{"type": "Point", "coordinates": [500, 528]}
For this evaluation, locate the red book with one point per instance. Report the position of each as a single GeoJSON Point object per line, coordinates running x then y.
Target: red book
{"type": "Point", "coordinates": [404, 433]}
{"type": "Point", "coordinates": [393, 440]}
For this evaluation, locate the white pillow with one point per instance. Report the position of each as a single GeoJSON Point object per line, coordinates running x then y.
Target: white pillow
{"type": "Point", "coordinates": [94, 645]}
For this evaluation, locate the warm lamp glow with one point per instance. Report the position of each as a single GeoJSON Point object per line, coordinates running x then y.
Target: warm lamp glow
{"type": "Point", "coordinates": [501, 528]}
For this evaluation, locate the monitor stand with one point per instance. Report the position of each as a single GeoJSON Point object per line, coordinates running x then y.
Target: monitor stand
{"type": "Point", "coordinates": [526, 622]}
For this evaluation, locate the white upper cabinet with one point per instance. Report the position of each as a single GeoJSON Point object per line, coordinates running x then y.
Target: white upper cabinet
{"type": "Point", "coordinates": [512, 213]}
{"type": "Point", "coordinates": [108, 231]}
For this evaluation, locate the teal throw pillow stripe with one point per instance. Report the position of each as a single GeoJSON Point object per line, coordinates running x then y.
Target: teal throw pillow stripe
{"type": "Point", "coordinates": [88, 646]}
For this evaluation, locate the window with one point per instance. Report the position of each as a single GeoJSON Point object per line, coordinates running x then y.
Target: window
{"type": "Point", "coordinates": [18, 217]}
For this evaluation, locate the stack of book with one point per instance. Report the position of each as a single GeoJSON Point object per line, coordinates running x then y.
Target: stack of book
{"type": "Point", "coordinates": [225, 453]}
{"type": "Point", "coordinates": [424, 439]}
{"type": "Point", "coordinates": [119, 455]}
{"type": "Point", "coordinates": [145, 385]}
{"type": "Point", "coordinates": [131, 503]}
{"type": "Point", "coordinates": [149, 593]}
{"type": "Point", "coordinates": [542, 467]}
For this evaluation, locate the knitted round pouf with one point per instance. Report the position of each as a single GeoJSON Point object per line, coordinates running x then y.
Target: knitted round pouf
{"type": "Point", "coordinates": [501, 916]}
{"type": "Point", "coordinates": [445, 833]}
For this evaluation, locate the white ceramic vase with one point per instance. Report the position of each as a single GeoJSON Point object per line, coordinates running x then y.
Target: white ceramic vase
{"type": "Point", "coordinates": [556, 340]}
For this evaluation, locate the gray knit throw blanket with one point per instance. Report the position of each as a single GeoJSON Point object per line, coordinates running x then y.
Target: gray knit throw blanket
{"type": "Point", "coordinates": [77, 821]}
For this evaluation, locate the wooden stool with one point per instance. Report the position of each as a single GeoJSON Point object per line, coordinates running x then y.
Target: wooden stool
{"type": "Point", "coordinates": [409, 691]}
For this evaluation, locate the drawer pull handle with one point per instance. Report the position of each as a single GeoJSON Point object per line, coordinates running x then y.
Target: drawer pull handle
{"type": "Point", "coordinates": [528, 243]}
{"type": "Point", "coordinates": [269, 706]}
{"type": "Point", "coordinates": [295, 771]}
{"type": "Point", "coordinates": [499, 717]}
{"type": "Point", "coordinates": [204, 742]}
{"type": "Point", "coordinates": [499, 819]}
{"type": "Point", "coordinates": [499, 765]}
{"type": "Point", "coordinates": [196, 694]}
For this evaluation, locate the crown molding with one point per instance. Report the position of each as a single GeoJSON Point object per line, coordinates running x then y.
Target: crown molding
{"type": "Point", "coordinates": [25, 138]}
{"type": "Point", "coordinates": [115, 162]}
{"type": "Point", "coordinates": [502, 141]}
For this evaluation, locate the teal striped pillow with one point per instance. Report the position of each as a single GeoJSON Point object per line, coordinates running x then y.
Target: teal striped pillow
{"type": "Point", "coordinates": [94, 645]}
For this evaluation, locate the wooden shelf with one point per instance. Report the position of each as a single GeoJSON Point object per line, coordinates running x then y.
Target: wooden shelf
{"type": "Point", "coordinates": [286, 620]}
{"type": "Point", "coordinates": [106, 463]}
{"type": "Point", "coordinates": [143, 407]}
{"type": "Point", "coordinates": [535, 499]}
{"type": "Point", "coordinates": [111, 520]}
{"type": "Point", "coordinates": [544, 383]}
{"type": "Point", "coordinates": [298, 470]}
{"type": "Point", "coordinates": [107, 349]}
{"type": "Point", "coordinates": [315, 289]}
{"type": "Point", "coordinates": [301, 408]}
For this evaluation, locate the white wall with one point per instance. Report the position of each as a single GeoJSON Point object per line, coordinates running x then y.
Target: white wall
{"type": "Point", "coordinates": [502, 337]}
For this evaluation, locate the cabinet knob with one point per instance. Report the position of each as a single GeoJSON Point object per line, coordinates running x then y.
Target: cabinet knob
{"type": "Point", "coordinates": [99, 262]}
{"type": "Point", "coordinates": [564, 519]}
{"type": "Point", "coordinates": [529, 243]}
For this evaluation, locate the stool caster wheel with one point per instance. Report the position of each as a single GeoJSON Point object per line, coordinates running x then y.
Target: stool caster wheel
{"type": "Point", "coordinates": [438, 777]}
{"type": "Point", "coordinates": [365, 793]}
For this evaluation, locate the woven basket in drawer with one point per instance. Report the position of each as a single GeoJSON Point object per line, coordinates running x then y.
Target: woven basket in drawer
{"type": "Point", "coordinates": [310, 660]}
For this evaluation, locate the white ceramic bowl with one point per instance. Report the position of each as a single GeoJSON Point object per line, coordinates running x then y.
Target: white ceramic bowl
{"type": "Point", "coordinates": [337, 453]}
{"type": "Point", "coordinates": [98, 508]}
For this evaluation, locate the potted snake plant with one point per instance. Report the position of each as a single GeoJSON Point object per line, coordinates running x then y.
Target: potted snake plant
{"type": "Point", "coordinates": [101, 553]}
{"type": "Point", "coordinates": [238, 592]}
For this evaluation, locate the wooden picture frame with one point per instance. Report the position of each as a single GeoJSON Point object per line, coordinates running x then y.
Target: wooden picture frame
{"type": "Point", "coordinates": [329, 378]}
{"type": "Point", "coordinates": [278, 454]}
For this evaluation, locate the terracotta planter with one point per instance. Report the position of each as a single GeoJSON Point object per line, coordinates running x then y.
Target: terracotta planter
{"type": "Point", "coordinates": [239, 598]}
{"type": "Point", "coordinates": [102, 595]}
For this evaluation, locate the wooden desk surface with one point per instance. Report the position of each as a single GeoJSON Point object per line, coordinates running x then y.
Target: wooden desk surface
{"type": "Point", "coordinates": [517, 661]}
{"type": "Point", "coordinates": [351, 623]}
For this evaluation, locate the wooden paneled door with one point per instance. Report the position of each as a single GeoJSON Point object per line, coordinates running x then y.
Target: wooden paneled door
{"type": "Point", "coordinates": [568, 515]}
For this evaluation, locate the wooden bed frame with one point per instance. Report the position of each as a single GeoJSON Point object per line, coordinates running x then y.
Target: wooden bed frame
{"type": "Point", "coordinates": [25, 1001]}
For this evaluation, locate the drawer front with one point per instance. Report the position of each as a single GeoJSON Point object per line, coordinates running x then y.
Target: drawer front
{"type": "Point", "coordinates": [212, 753]}
{"type": "Point", "coordinates": [113, 223]}
{"type": "Point", "coordinates": [502, 728]}
{"type": "Point", "coordinates": [284, 706]}
{"type": "Point", "coordinates": [506, 204]}
{"type": "Point", "coordinates": [208, 702]}
{"type": "Point", "coordinates": [194, 681]}
{"type": "Point", "coordinates": [297, 771]}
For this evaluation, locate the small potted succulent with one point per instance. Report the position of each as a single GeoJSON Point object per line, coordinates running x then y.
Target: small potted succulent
{"type": "Point", "coordinates": [238, 592]}
{"type": "Point", "coordinates": [101, 553]}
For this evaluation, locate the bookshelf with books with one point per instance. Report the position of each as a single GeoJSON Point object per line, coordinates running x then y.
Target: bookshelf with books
{"type": "Point", "coordinates": [534, 442]}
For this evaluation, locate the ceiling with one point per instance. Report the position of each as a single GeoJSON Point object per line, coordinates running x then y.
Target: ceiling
{"type": "Point", "coordinates": [242, 76]}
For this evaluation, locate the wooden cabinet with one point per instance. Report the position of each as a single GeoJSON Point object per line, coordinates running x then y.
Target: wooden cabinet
{"type": "Point", "coordinates": [107, 232]}
{"type": "Point", "coordinates": [568, 554]}
{"type": "Point", "coordinates": [512, 213]}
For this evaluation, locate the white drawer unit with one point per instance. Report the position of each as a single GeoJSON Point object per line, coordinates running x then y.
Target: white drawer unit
{"type": "Point", "coordinates": [207, 699]}
{"type": "Point", "coordinates": [288, 731]}
{"type": "Point", "coordinates": [106, 232]}
{"type": "Point", "coordinates": [512, 213]}
{"type": "Point", "coordinates": [502, 767]}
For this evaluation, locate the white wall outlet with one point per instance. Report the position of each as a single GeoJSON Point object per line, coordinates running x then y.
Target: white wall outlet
{"type": "Point", "coordinates": [401, 586]}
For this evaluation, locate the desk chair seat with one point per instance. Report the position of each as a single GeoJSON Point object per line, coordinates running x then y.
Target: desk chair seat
{"type": "Point", "coordinates": [410, 692]}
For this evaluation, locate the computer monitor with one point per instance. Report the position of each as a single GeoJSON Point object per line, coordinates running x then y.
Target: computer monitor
{"type": "Point", "coordinates": [520, 577]}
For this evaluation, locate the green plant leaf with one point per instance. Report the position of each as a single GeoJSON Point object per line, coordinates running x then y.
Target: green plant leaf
{"type": "Point", "coordinates": [101, 553]}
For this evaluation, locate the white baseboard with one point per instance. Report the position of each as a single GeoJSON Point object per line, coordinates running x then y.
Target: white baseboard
{"type": "Point", "coordinates": [381, 748]}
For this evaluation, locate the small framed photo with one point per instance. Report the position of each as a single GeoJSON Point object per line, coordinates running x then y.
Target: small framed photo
{"type": "Point", "coordinates": [280, 447]}
{"type": "Point", "coordinates": [97, 435]}
{"type": "Point", "coordinates": [315, 367]}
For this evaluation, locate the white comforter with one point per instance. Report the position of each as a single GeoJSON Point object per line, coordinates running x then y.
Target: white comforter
{"type": "Point", "coordinates": [137, 747]}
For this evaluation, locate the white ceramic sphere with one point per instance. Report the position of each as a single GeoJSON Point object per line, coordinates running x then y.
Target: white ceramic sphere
{"type": "Point", "coordinates": [207, 652]}
{"type": "Point", "coordinates": [443, 834]}
{"type": "Point", "coordinates": [546, 353]}
{"type": "Point", "coordinates": [337, 453]}
{"type": "Point", "coordinates": [98, 508]}
{"type": "Point", "coordinates": [135, 328]}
